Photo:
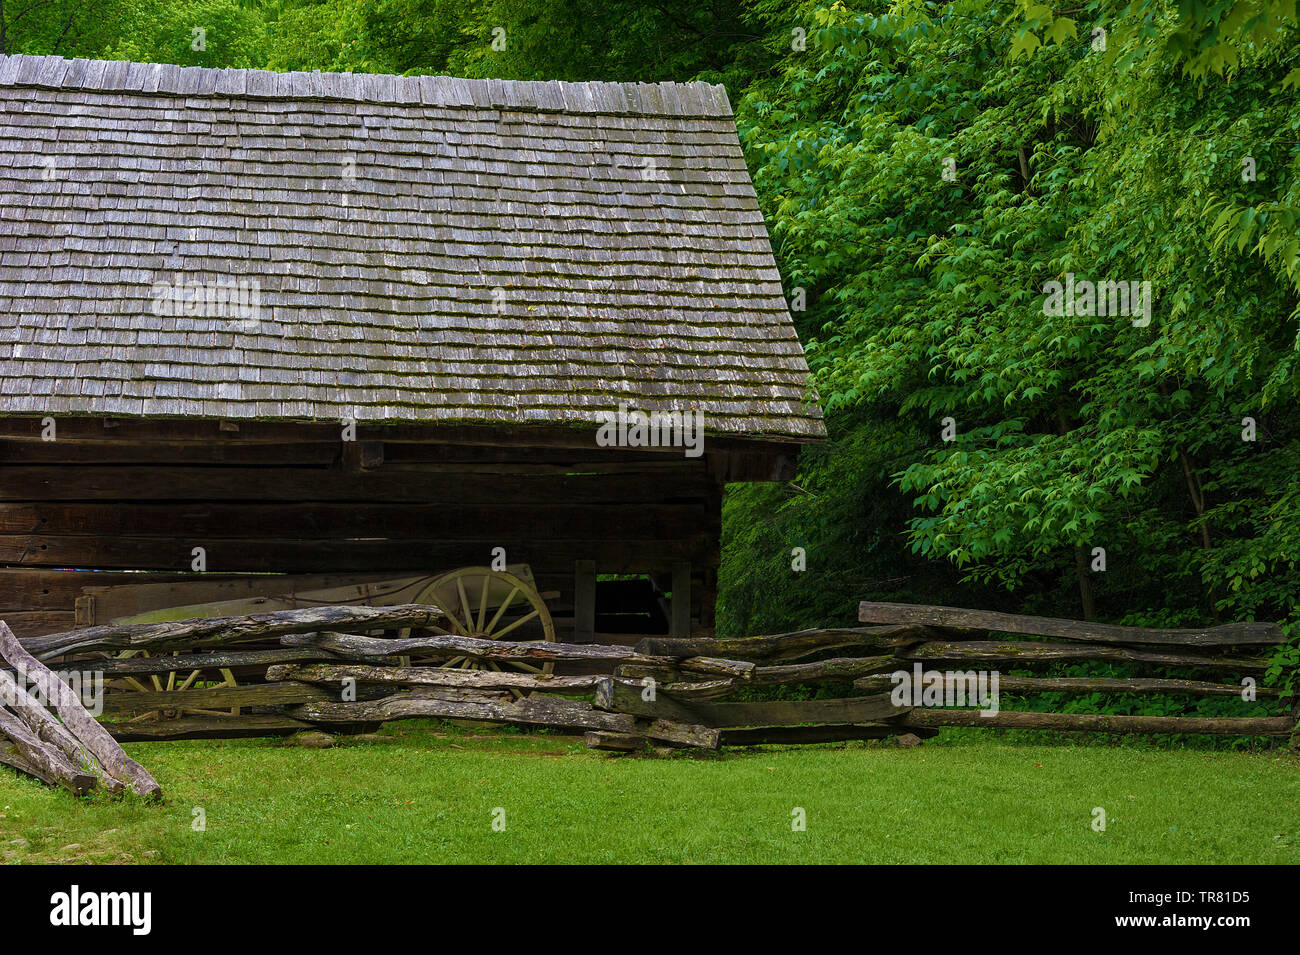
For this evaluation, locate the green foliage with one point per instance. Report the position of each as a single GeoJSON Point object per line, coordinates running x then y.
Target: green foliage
{"type": "Point", "coordinates": [1071, 431]}
{"type": "Point", "coordinates": [925, 169]}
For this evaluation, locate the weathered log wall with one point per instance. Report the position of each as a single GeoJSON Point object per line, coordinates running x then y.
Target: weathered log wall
{"type": "Point", "coordinates": [296, 500]}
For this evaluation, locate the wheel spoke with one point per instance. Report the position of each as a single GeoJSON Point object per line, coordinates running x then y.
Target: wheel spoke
{"type": "Point", "coordinates": [501, 610]}
{"type": "Point", "coordinates": [464, 602]}
{"type": "Point", "coordinates": [482, 602]}
{"type": "Point", "coordinates": [517, 623]}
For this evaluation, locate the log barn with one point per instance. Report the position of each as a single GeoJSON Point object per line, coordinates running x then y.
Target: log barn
{"type": "Point", "coordinates": [342, 327]}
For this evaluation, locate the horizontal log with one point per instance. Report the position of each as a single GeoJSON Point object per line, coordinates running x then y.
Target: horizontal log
{"type": "Point", "coordinates": [98, 454]}
{"type": "Point", "coordinates": [214, 659]}
{"type": "Point", "coordinates": [805, 735]}
{"type": "Point", "coordinates": [616, 742]}
{"type": "Point", "coordinates": [627, 696]}
{"type": "Point", "coordinates": [1227, 635]}
{"type": "Point", "coordinates": [786, 646]}
{"type": "Point", "coordinates": [230, 630]}
{"type": "Point", "coordinates": [38, 622]}
{"type": "Point", "coordinates": [493, 441]}
{"type": "Point", "coordinates": [1104, 723]}
{"type": "Point", "coordinates": [839, 669]}
{"type": "Point", "coordinates": [246, 725]}
{"type": "Point", "coordinates": [216, 521]}
{"type": "Point", "coordinates": [55, 483]}
{"type": "Point", "coordinates": [297, 556]}
{"type": "Point", "coordinates": [536, 651]}
{"type": "Point", "coordinates": [697, 692]}
{"type": "Point", "coordinates": [1027, 654]}
{"type": "Point", "coordinates": [31, 589]}
{"type": "Point", "coordinates": [433, 676]}
{"type": "Point", "coordinates": [536, 710]}
{"type": "Point", "coordinates": [1084, 684]}
{"type": "Point", "coordinates": [741, 671]}
{"type": "Point", "coordinates": [214, 697]}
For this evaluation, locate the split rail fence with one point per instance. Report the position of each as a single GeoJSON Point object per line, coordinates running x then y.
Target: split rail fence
{"type": "Point", "coordinates": [345, 668]}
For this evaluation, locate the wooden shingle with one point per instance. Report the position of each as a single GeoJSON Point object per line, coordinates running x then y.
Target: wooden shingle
{"type": "Point", "coordinates": [419, 249]}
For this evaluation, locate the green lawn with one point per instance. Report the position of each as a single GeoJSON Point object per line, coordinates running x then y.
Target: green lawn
{"type": "Point", "coordinates": [426, 793]}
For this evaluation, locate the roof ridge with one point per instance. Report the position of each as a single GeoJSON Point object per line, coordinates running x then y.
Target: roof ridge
{"type": "Point", "coordinates": [549, 96]}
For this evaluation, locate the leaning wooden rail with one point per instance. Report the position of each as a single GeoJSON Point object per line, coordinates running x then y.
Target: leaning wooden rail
{"type": "Point", "coordinates": [77, 752]}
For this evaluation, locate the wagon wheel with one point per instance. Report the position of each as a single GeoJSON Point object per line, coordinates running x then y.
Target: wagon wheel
{"type": "Point", "coordinates": [490, 605]}
{"type": "Point", "coordinates": [175, 681]}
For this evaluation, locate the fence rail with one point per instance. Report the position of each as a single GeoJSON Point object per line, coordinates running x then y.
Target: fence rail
{"type": "Point", "coordinates": [351, 667]}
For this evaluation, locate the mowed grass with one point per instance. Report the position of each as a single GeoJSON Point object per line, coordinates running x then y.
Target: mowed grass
{"type": "Point", "coordinates": [427, 793]}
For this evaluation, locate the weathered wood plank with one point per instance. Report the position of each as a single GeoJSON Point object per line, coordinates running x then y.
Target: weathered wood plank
{"type": "Point", "coordinates": [135, 595]}
{"type": "Point", "coordinates": [433, 676]}
{"type": "Point", "coordinates": [211, 521]}
{"type": "Point", "coordinates": [788, 646]}
{"type": "Point", "coordinates": [626, 696]}
{"type": "Point", "coordinates": [1086, 684]}
{"type": "Point", "coordinates": [230, 630]}
{"type": "Point", "coordinates": [538, 651]}
{"type": "Point", "coordinates": [215, 727]}
{"type": "Point", "coordinates": [215, 697]}
{"type": "Point", "coordinates": [281, 555]}
{"type": "Point", "coordinates": [1026, 654]}
{"type": "Point", "coordinates": [616, 742]}
{"type": "Point", "coordinates": [823, 671]}
{"type": "Point", "coordinates": [521, 441]}
{"type": "Point", "coordinates": [50, 732]}
{"type": "Point", "coordinates": [1104, 723]}
{"type": "Point", "coordinates": [98, 454]}
{"type": "Point", "coordinates": [21, 749]}
{"type": "Point", "coordinates": [806, 735]}
{"type": "Point", "coordinates": [39, 622]}
{"type": "Point", "coordinates": [56, 483]}
{"type": "Point", "coordinates": [741, 671]}
{"type": "Point", "coordinates": [536, 710]}
{"type": "Point", "coordinates": [78, 783]}
{"type": "Point", "coordinates": [1227, 635]}
{"type": "Point", "coordinates": [213, 659]}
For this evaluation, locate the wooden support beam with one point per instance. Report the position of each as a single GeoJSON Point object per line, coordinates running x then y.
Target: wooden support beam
{"type": "Point", "coordinates": [681, 608]}
{"type": "Point", "coordinates": [584, 601]}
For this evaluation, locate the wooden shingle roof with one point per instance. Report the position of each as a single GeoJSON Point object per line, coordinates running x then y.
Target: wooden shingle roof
{"type": "Point", "coordinates": [423, 249]}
